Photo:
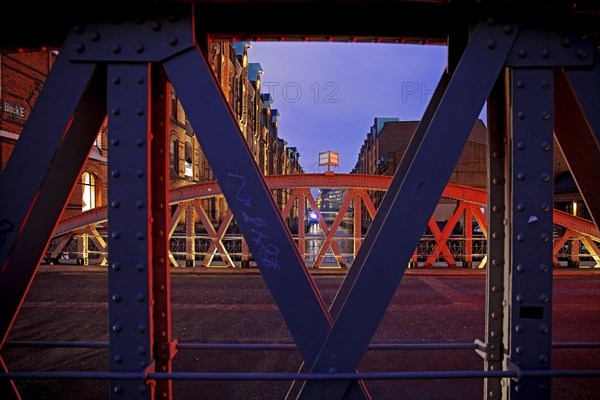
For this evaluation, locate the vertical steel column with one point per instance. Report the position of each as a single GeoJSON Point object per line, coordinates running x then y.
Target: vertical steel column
{"type": "Point", "coordinates": [468, 261]}
{"type": "Point", "coordinates": [164, 346]}
{"type": "Point", "coordinates": [129, 223]}
{"type": "Point", "coordinates": [301, 225]}
{"type": "Point", "coordinates": [496, 213]}
{"type": "Point", "coordinates": [528, 279]}
{"type": "Point", "coordinates": [190, 236]}
{"type": "Point", "coordinates": [356, 203]}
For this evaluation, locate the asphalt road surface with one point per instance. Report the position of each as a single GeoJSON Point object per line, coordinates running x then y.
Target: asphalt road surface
{"type": "Point", "coordinates": [238, 309]}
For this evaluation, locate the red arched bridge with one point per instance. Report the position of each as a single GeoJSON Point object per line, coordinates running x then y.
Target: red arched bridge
{"type": "Point", "coordinates": [72, 235]}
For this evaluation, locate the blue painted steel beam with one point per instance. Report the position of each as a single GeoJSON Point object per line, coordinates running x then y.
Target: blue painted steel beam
{"type": "Point", "coordinates": [129, 228]}
{"type": "Point", "coordinates": [528, 295]}
{"type": "Point", "coordinates": [257, 215]}
{"type": "Point", "coordinates": [412, 205]}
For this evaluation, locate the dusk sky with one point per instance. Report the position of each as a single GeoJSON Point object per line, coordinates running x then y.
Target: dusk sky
{"type": "Point", "coordinates": [329, 93]}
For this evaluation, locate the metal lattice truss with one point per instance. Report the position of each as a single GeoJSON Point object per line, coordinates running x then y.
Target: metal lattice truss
{"type": "Point", "coordinates": [123, 67]}
{"type": "Point", "coordinates": [441, 245]}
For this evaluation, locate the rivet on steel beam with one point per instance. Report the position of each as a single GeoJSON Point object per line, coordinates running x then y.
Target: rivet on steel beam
{"type": "Point", "coordinates": [583, 36]}
{"type": "Point", "coordinates": [496, 181]}
{"type": "Point", "coordinates": [545, 53]}
{"type": "Point", "coordinates": [491, 21]}
{"type": "Point", "coordinates": [495, 154]}
{"type": "Point", "coordinates": [115, 173]}
{"type": "Point", "coordinates": [522, 53]}
{"type": "Point", "coordinates": [496, 209]}
{"type": "Point", "coordinates": [544, 236]}
{"type": "Point", "coordinates": [161, 260]}
{"type": "Point", "coordinates": [545, 85]}
{"type": "Point", "coordinates": [155, 26]}
{"type": "Point", "coordinates": [95, 36]}
{"type": "Point", "coordinates": [495, 262]}
{"type": "Point", "coordinates": [491, 44]}
{"type": "Point", "coordinates": [508, 29]}
{"type": "Point", "coordinates": [116, 21]}
{"type": "Point", "coordinates": [140, 267]}
{"type": "Point", "coordinates": [78, 29]}
{"type": "Point", "coordinates": [521, 176]}
{"type": "Point", "coordinates": [116, 49]}
{"type": "Point", "coordinates": [162, 315]}
{"type": "Point", "coordinates": [173, 18]}
{"type": "Point", "coordinates": [581, 54]}
{"type": "Point", "coordinates": [139, 236]}
{"type": "Point", "coordinates": [140, 142]}
{"type": "Point", "coordinates": [141, 328]}
{"type": "Point", "coordinates": [542, 387]}
{"type": "Point", "coordinates": [520, 207]}
{"type": "Point", "coordinates": [139, 111]}
{"type": "Point", "coordinates": [566, 42]}
{"type": "Point", "coordinates": [139, 173]}
{"type": "Point", "coordinates": [520, 268]}
{"type": "Point", "coordinates": [493, 334]}
{"type": "Point", "coordinates": [161, 233]}
{"type": "Point", "coordinates": [496, 235]}
{"type": "Point", "coordinates": [114, 142]}
{"type": "Point", "coordinates": [139, 204]}
{"type": "Point", "coordinates": [545, 115]}
{"type": "Point", "coordinates": [139, 48]}
{"type": "Point", "coordinates": [116, 235]}
{"type": "Point", "coordinates": [116, 297]}
{"type": "Point", "coordinates": [115, 111]}
{"type": "Point", "coordinates": [543, 328]}
{"type": "Point", "coordinates": [116, 328]}
{"type": "Point", "coordinates": [544, 268]}
{"type": "Point", "coordinates": [520, 84]}
{"type": "Point", "coordinates": [173, 40]}
{"type": "Point", "coordinates": [545, 177]}
{"type": "Point", "coordinates": [116, 267]}
{"type": "Point", "coordinates": [141, 350]}
{"type": "Point", "coordinates": [143, 389]}
{"type": "Point", "coordinates": [495, 289]}
{"type": "Point", "coordinates": [79, 47]}
{"type": "Point", "coordinates": [143, 364]}
{"type": "Point", "coordinates": [494, 315]}
{"type": "Point", "coordinates": [116, 80]}
{"type": "Point", "coordinates": [139, 20]}
{"type": "Point", "coordinates": [545, 207]}
{"type": "Point", "coordinates": [543, 358]}
{"type": "Point", "coordinates": [521, 115]}
{"type": "Point", "coordinates": [520, 298]}
{"type": "Point", "coordinates": [118, 358]}
{"type": "Point", "coordinates": [492, 394]}
{"type": "Point", "coordinates": [118, 389]}
{"type": "Point", "coordinates": [521, 145]}
{"type": "Point", "coordinates": [140, 80]}
{"type": "Point", "coordinates": [163, 333]}
{"type": "Point", "coordinates": [115, 204]}
{"type": "Point", "coordinates": [493, 368]}
{"type": "Point", "coordinates": [519, 350]}
{"type": "Point", "coordinates": [543, 298]}
{"type": "Point", "coordinates": [140, 297]}
{"type": "Point", "coordinates": [545, 146]}
{"type": "Point", "coordinates": [521, 237]}
{"type": "Point", "coordinates": [161, 288]}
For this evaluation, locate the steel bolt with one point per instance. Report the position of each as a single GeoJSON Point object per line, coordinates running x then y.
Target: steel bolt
{"type": "Point", "coordinates": [79, 47]}
{"type": "Point", "coordinates": [521, 115]}
{"type": "Point", "coordinates": [95, 36]}
{"type": "Point", "coordinates": [543, 267]}
{"type": "Point", "coordinates": [491, 21]}
{"type": "Point", "coordinates": [494, 315]}
{"type": "Point", "coordinates": [545, 146]}
{"type": "Point", "coordinates": [543, 298]}
{"type": "Point", "coordinates": [114, 142]}
{"type": "Point", "coordinates": [116, 328]}
{"type": "Point", "coordinates": [520, 298]}
{"type": "Point", "coordinates": [520, 207]}
{"type": "Point", "coordinates": [544, 85]}
{"type": "Point", "coordinates": [521, 237]}
{"type": "Point", "coordinates": [118, 389]}
{"type": "Point", "coordinates": [566, 42]}
{"type": "Point", "coordinates": [116, 235]}
{"type": "Point", "coordinates": [496, 181]}
{"type": "Point", "coordinates": [542, 387]}
{"type": "Point", "coordinates": [491, 44]}
{"type": "Point", "coordinates": [115, 173]}
{"type": "Point", "coordinates": [522, 53]}
{"type": "Point", "coordinates": [140, 267]}
{"type": "Point", "coordinates": [139, 111]}
{"type": "Point", "coordinates": [495, 235]}
{"type": "Point", "coordinates": [143, 389]}
{"type": "Point", "coordinates": [521, 176]}
{"type": "Point", "coordinates": [520, 84]}
{"type": "Point", "coordinates": [116, 49]}
{"type": "Point", "coordinates": [545, 115]}
{"type": "Point", "coordinates": [116, 297]}
{"type": "Point", "coordinates": [139, 48]}
{"type": "Point", "coordinates": [115, 204]}
{"type": "Point", "coordinates": [545, 177]}
{"type": "Point", "coordinates": [139, 204]}
{"type": "Point", "coordinates": [519, 350]}
{"type": "Point", "coordinates": [173, 40]}
{"type": "Point", "coordinates": [543, 358]}
{"type": "Point", "coordinates": [155, 26]}
{"type": "Point", "coordinates": [495, 209]}
{"type": "Point", "coordinates": [141, 328]}
{"type": "Point", "coordinates": [518, 388]}
{"type": "Point", "coordinates": [115, 111]}
{"type": "Point", "coordinates": [543, 328]}
{"type": "Point", "coordinates": [141, 350]}
{"type": "Point", "coordinates": [78, 29]}
{"type": "Point", "coordinates": [508, 29]}
{"type": "Point", "coordinates": [495, 262]}
{"type": "Point", "coordinates": [521, 145]}
{"type": "Point", "coordinates": [141, 297]}
{"type": "Point", "coordinates": [116, 267]}
{"type": "Point", "coordinates": [581, 54]}
{"type": "Point", "coordinates": [140, 142]}
{"type": "Point", "coordinates": [118, 359]}
{"type": "Point", "coordinates": [139, 173]}
{"type": "Point", "coordinates": [140, 236]}
{"type": "Point", "coordinates": [495, 289]}
{"type": "Point", "coordinates": [545, 207]}
{"type": "Point", "coordinates": [520, 268]}
{"type": "Point", "coordinates": [544, 236]}
{"type": "Point", "coordinates": [545, 53]}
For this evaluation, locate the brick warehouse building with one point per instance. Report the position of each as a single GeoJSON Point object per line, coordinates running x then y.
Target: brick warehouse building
{"type": "Point", "coordinates": [22, 76]}
{"type": "Point", "coordinates": [388, 138]}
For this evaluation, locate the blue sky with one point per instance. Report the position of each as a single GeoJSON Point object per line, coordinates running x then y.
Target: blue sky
{"type": "Point", "coordinates": [329, 93]}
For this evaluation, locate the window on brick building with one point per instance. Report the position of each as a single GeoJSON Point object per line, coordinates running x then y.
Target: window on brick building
{"type": "Point", "coordinates": [88, 191]}
{"type": "Point", "coordinates": [174, 155]}
{"type": "Point", "coordinates": [189, 170]}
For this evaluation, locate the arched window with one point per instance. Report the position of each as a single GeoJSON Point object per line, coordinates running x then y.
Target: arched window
{"type": "Point", "coordinates": [88, 191]}
{"type": "Point", "coordinates": [189, 170]}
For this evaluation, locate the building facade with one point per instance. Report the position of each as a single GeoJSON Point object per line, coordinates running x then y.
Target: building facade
{"type": "Point", "coordinates": [22, 76]}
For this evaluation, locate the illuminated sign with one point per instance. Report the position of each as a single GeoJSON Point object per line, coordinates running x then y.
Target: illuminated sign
{"type": "Point", "coordinates": [14, 109]}
{"type": "Point", "coordinates": [329, 158]}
